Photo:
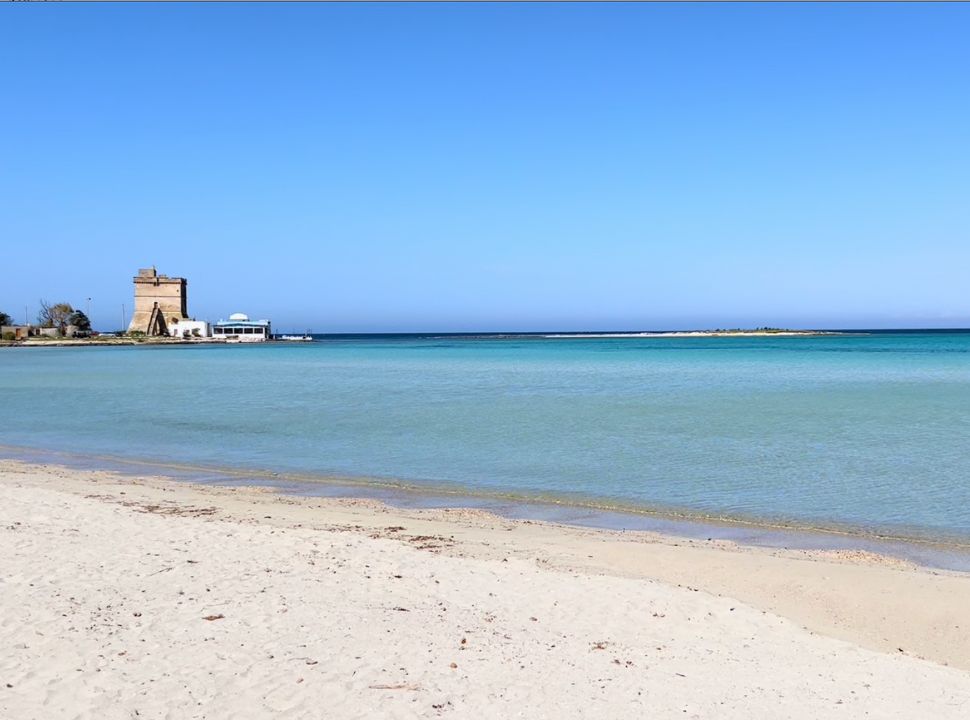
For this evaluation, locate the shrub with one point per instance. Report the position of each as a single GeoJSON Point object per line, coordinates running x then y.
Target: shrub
{"type": "Point", "coordinates": [79, 320]}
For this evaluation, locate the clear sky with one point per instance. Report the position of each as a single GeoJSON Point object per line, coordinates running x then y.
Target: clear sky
{"type": "Point", "coordinates": [491, 167]}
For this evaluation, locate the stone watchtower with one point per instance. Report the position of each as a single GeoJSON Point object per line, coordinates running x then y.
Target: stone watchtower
{"type": "Point", "coordinates": [159, 300]}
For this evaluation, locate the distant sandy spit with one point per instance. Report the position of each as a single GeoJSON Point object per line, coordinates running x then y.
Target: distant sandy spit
{"type": "Point", "coordinates": [126, 597]}
{"type": "Point", "coordinates": [701, 333]}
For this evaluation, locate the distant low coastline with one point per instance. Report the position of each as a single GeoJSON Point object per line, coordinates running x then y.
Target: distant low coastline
{"type": "Point", "coordinates": [759, 332]}
{"type": "Point", "coordinates": [105, 340]}
{"type": "Point", "coordinates": [117, 339]}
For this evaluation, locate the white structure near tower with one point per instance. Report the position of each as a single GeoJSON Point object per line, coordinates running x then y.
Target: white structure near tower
{"type": "Point", "coordinates": [239, 328]}
{"type": "Point", "coordinates": [188, 329]}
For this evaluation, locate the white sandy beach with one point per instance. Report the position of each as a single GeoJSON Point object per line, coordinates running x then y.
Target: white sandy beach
{"type": "Point", "coordinates": [147, 598]}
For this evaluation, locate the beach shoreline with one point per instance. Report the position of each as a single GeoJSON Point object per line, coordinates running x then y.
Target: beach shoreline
{"type": "Point", "coordinates": [843, 612]}
{"type": "Point", "coordinates": [935, 552]}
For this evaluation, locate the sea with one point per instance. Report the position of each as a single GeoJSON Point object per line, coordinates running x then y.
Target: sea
{"type": "Point", "coordinates": [864, 434]}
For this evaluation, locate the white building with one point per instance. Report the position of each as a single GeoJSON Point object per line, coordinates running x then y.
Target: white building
{"type": "Point", "coordinates": [239, 328]}
{"type": "Point", "coordinates": [188, 329]}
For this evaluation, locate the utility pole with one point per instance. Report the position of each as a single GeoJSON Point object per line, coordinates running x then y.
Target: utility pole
{"type": "Point", "coordinates": [124, 326]}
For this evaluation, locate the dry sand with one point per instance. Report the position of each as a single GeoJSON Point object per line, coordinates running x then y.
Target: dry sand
{"type": "Point", "coordinates": [130, 597]}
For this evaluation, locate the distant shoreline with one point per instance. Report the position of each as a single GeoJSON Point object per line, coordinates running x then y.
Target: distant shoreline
{"type": "Point", "coordinates": [704, 333]}
{"type": "Point", "coordinates": [112, 340]}
{"type": "Point", "coordinates": [90, 342]}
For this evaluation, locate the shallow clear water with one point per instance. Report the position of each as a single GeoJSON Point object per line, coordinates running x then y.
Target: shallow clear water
{"type": "Point", "coordinates": [867, 431]}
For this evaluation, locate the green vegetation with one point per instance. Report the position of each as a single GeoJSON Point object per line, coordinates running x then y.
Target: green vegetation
{"type": "Point", "coordinates": [5, 319]}
{"type": "Point", "coordinates": [9, 336]}
{"type": "Point", "coordinates": [79, 320]}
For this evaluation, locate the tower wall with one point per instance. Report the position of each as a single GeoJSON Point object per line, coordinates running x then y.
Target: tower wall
{"type": "Point", "coordinates": [159, 301]}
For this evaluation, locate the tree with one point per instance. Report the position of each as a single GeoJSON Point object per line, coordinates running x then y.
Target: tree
{"type": "Point", "coordinates": [5, 319]}
{"type": "Point", "coordinates": [54, 315]}
{"type": "Point", "coordinates": [79, 320]}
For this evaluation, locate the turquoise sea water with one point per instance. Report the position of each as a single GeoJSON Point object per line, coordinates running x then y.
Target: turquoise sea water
{"type": "Point", "coordinates": [869, 432]}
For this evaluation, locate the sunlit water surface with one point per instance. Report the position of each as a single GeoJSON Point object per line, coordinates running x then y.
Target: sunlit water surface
{"type": "Point", "coordinates": [867, 432]}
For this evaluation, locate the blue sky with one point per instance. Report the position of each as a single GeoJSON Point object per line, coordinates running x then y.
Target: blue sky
{"type": "Point", "coordinates": [492, 167]}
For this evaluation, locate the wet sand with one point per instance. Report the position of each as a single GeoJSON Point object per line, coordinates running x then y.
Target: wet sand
{"type": "Point", "coordinates": [931, 552]}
